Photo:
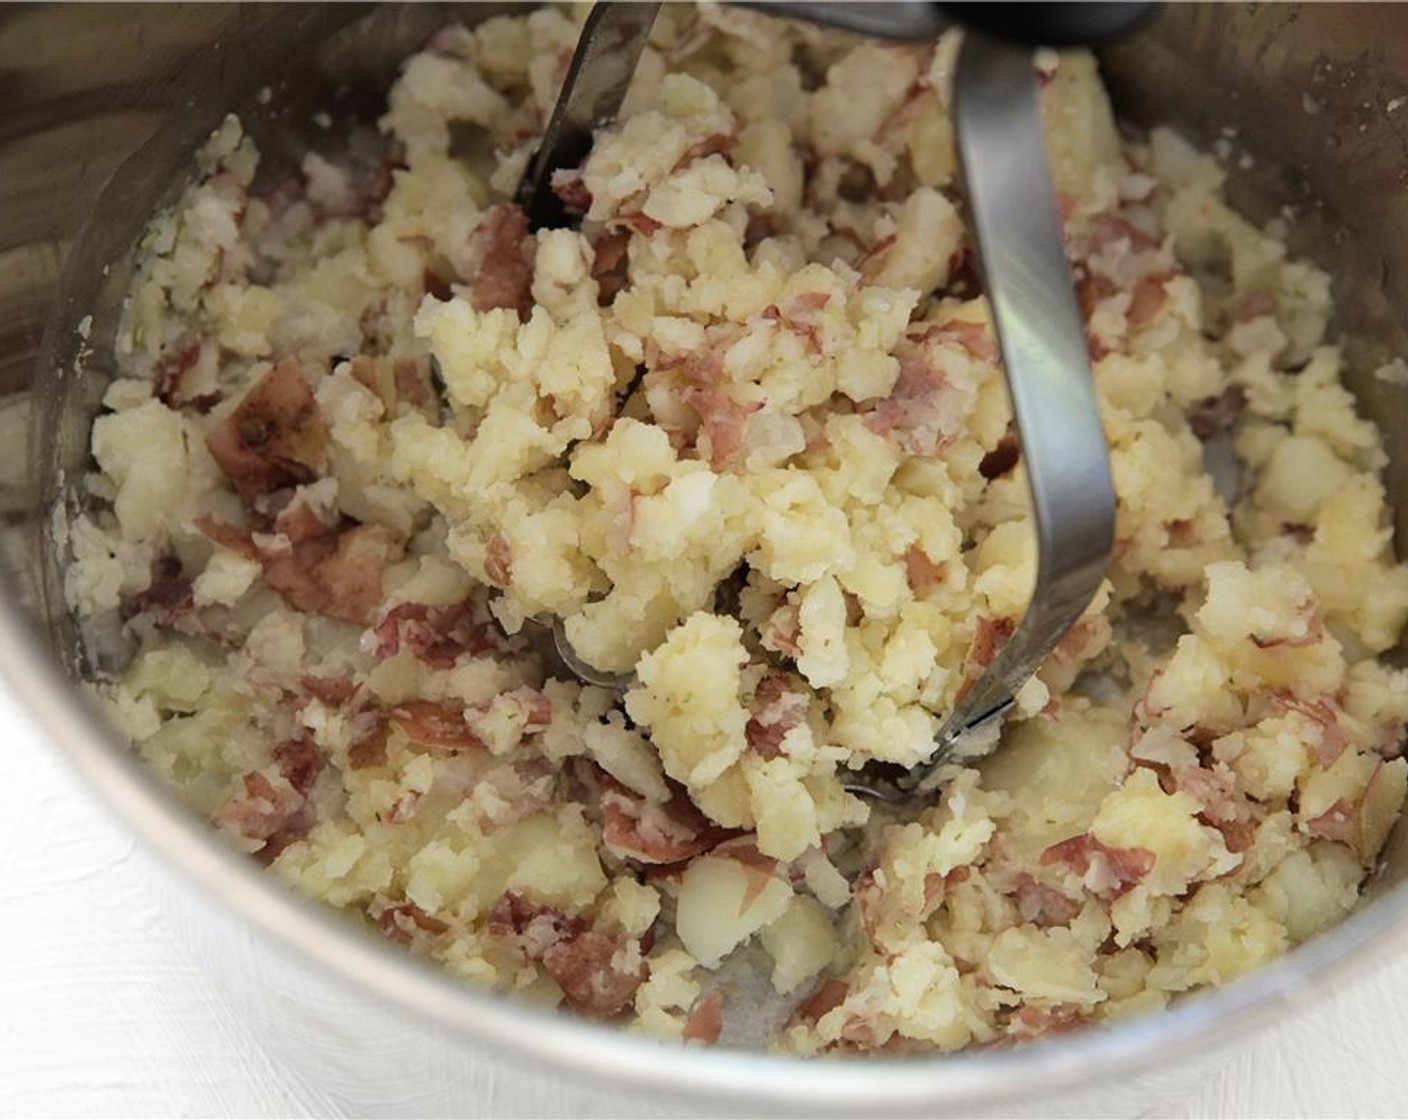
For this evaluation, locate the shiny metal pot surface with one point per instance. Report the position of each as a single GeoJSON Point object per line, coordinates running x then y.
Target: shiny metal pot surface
{"type": "Point", "coordinates": [103, 106]}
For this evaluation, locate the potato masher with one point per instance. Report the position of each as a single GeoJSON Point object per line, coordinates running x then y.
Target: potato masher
{"type": "Point", "coordinates": [1016, 225]}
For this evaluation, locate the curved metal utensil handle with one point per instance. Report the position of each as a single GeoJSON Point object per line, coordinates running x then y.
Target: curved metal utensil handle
{"type": "Point", "coordinates": [1082, 24]}
{"type": "Point", "coordinates": [1035, 25]}
{"type": "Point", "coordinates": [603, 63]}
{"type": "Point", "coordinates": [1015, 220]}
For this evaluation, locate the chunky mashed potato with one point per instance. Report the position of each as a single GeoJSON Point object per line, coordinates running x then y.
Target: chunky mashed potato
{"type": "Point", "coordinates": [745, 433]}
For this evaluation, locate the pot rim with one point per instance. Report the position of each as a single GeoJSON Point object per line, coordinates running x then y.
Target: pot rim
{"type": "Point", "coordinates": [71, 720]}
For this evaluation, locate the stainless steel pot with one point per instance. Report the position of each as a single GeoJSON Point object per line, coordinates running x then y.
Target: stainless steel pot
{"type": "Point", "coordinates": [103, 106]}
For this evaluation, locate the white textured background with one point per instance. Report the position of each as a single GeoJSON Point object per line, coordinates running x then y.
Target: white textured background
{"type": "Point", "coordinates": [111, 1005]}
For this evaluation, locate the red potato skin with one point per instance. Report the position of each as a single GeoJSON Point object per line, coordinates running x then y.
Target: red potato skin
{"type": "Point", "coordinates": [505, 276]}
{"type": "Point", "coordinates": [275, 437]}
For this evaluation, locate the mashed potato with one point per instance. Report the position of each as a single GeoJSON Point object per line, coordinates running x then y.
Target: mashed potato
{"type": "Point", "coordinates": [745, 433]}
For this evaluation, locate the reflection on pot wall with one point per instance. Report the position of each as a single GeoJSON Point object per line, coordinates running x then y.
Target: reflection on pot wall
{"type": "Point", "coordinates": [1310, 98]}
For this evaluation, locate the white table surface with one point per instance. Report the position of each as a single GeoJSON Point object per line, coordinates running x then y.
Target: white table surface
{"type": "Point", "coordinates": [104, 1012]}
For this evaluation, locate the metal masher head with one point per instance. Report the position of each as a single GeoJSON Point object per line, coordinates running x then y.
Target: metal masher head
{"type": "Point", "coordinates": [1016, 224]}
